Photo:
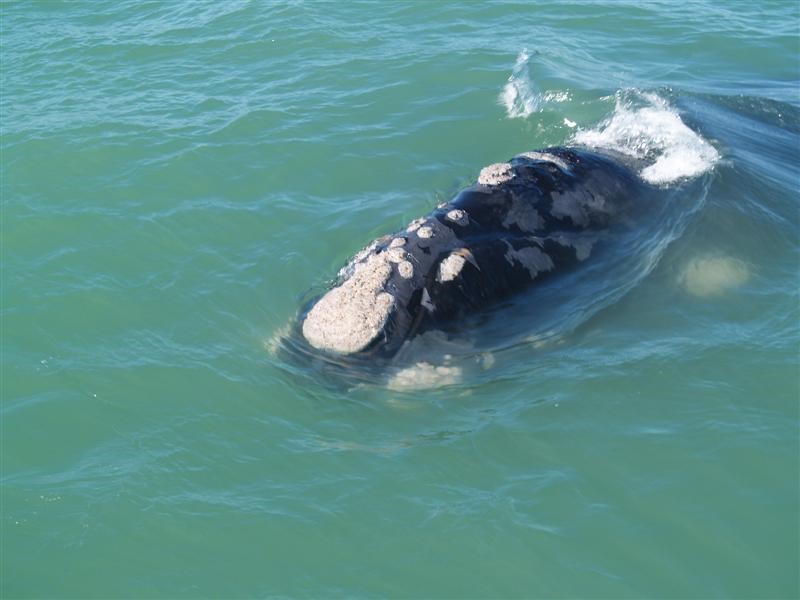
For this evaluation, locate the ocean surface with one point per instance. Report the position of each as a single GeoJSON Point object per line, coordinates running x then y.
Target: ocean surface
{"type": "Point", "coordinates": [179, 178]}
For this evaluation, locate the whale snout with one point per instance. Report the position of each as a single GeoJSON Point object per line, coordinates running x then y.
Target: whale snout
{"type": "Point", "coordinates": [351, 316]}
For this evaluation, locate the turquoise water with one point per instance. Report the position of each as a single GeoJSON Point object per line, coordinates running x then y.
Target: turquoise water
{"type": "Point", "coordinates": [178, 177]}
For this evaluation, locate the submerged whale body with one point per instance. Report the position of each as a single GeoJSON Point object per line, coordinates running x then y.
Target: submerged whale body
{"type": "Point", "coordinates": [522, 223]}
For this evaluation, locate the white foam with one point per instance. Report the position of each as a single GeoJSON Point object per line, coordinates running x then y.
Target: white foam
{"type": "Point", "coordinates": [557, 96]}
{"type": "Point", "coordinates": [519, 96]}
{"type": "Point", "coordinates": [423, 376]}
{"type": "Point", "coordinates": [646, 127]}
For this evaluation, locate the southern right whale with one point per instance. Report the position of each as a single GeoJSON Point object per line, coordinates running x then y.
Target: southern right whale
{"type": "Point", "coordinates": [522, 223]}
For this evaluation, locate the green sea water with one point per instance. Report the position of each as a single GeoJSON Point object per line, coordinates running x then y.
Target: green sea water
{"type": "Point", "coordinates": [177, 178]}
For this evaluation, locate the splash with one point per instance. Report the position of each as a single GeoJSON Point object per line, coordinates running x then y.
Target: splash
{"type": "Point", "coordinates": [645, 127]}
{"type": "Point", "coordinates": [519, 96]}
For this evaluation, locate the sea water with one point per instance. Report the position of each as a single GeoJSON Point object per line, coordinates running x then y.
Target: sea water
{"type": "Point", "coordinates": [177, 177]}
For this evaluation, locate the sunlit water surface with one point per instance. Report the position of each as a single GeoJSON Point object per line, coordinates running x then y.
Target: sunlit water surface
{"type": "Point", "coordinates": [178, 178]}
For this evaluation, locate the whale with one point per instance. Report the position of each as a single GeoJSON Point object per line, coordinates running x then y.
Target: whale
{"type": "Point", "coordinates": [521, 224]}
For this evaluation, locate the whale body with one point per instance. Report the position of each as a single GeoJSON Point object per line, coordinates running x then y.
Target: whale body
{"type": "Point", "coordinates": [523, 222]}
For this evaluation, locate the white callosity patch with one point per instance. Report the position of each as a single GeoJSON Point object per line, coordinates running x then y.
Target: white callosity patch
{"type": "Point", "coordinates": [425, 232]}
{"type": "Point", "coordinates": [414, 225]}
{"type": "Point", "coordinates": [546, 157]}
{"type": "Point", "coordinates": [458, 216]}
{"type": "Point", "coordinates": [531, 258]}
{"type": "Point", "coordinates": [347, 270]}
{"type": "Point", "coordinates": [450, 267]}
{"type": "Point", "coordinates": [398, 242]}
{"type": "Point", "coordinates": [435, 236]}
{"type": "Point", "coordinates": [707, 276]}
{"type": "Point", "coordinates": [496, 174]}
{"type": "Point", "coordinates": [524, 216]}
{"type": "Point", "coordinates": [350, 316]}
{"type": "Point", "coordinates": [396, 255]}
{"type": "Point", "coordinates": [406, 269]}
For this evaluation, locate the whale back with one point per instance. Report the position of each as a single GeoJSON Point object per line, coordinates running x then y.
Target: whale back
{"type": "Point", "coordinates": [523, 221]}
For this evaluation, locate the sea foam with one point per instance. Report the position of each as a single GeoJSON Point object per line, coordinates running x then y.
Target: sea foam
{"type": "Point", "coordinates": [644, 126]}
{"type": "Point", "coordinates": [520, 95]}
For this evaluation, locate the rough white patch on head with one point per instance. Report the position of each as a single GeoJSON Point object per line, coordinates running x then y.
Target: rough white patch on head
{"type": "Point", "coordinates": [350, 267]}
{"type": "Point", "coordinates": [349, 317]}
{"type": "Point", "coordinates": [458, 216]}
{"type": "Point", "coordinates": [707, 276]}
{"type": "Point", "coordinates": [531, 258]}
{"type": "Point", "coordinates": [425, 232]}
{"type": "Point", "coordinates": [406, 269]}
{"type": "Point", "coordinates": [496, 174]}
{"type": "Point", "coordinates": [436, 237]}
{"type": "Point", "coordinates": [397, 242]}
{"type": "Point", "coordinates": [546, 157]}
{"type": "Point", "coordinates": [424, 375]}
{"type": "Point", "coordinates": [415, 224]}
{"type": "Point", "coordinates": [396, 255]}
{"type": "Point", "coordinates": [450, 267]}
{"type": "Point", "coordinates": [569, 205]}
{"type": "Point", "coordinates": [524, 216]}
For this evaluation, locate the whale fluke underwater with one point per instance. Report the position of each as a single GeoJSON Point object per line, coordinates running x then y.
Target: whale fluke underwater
{"type": "Point", "coordinates": [521, 224]}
